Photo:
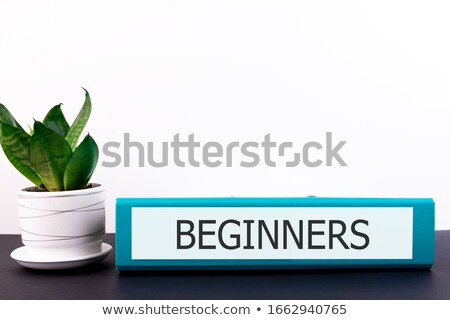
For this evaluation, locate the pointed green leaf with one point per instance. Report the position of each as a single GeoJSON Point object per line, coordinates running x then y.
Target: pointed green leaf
{"type": "Point", "coordinates": [80, 122]}
{"type": "Point", "coordinates": [7, 117]}
{"type": "Point", "coordinates": [82, 165]}
{"type": "Point", "coordinates": [15, 143]}
{"type": "Point", "coordinates": [56, 121]}
{"type": "Point", "coordinates": [49, 154]}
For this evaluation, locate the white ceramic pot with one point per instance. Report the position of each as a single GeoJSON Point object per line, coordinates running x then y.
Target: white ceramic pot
{"type": "Point", "coordinates": [62, 225]}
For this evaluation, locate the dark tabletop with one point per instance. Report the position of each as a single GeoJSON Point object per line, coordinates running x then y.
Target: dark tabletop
{"type": "Point", "coordinates": [102, 281]}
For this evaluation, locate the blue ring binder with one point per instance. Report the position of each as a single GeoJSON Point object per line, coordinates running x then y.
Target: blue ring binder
{"type": "Point", "coordinates": [422, 233]}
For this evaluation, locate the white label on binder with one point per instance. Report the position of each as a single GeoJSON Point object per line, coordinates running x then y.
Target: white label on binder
{"type": "Point", "coordinates": [184, 233]}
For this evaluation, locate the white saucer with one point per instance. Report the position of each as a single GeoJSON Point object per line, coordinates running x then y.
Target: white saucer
{"type": "Point", "coordinates": [55, 264]}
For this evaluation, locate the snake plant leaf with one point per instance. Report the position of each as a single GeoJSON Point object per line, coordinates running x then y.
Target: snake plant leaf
{"type": "Point", "coordinates": [56, 121]}
{"type": "Point", "coordinates": [15, 143]}
{"type": "Point", "coordinates": [7, 117]}
{"type": "Point", "coordinates": [49, 154]}
{"type": "Point", "coordinates": [80, 122]}
{"type": "Point", "coordinates": [82, 165]}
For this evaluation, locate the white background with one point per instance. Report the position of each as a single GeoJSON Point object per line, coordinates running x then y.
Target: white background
{"type": "Point", "coordinates": [375, 73]}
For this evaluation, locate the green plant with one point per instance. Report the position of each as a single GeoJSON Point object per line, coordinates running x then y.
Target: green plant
{"type": "Point", "coordinates": [49, 156]}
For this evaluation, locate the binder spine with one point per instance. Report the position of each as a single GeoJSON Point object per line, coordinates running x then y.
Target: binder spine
{"type": "Point", "coordinates": [420, 242]}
